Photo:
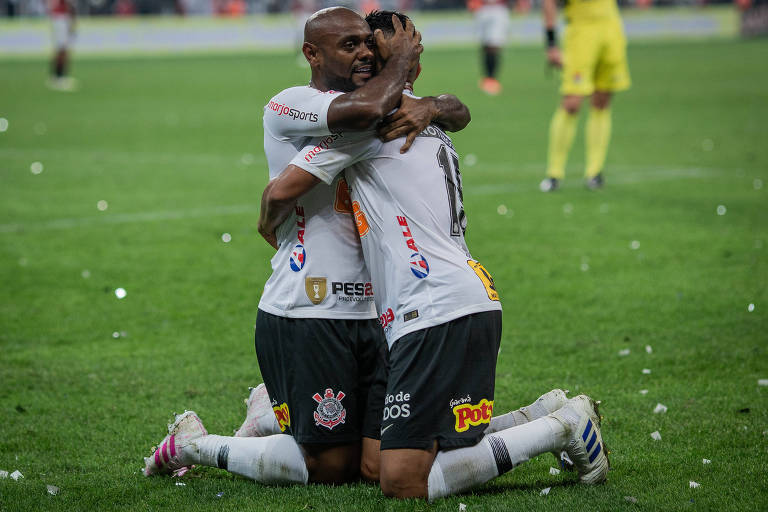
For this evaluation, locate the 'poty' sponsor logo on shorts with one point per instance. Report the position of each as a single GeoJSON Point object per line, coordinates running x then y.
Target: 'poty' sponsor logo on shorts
{"type": "Point", "coordinates": [468, 415]}
{"type": "Point", "coordinates": [352, 292]}
{"type": "Point", "coordinates": [283, 416]}
{"type": "Point", "coordinates": [286, 110]}
{"type": "Point", "coordinates": [323, 144]}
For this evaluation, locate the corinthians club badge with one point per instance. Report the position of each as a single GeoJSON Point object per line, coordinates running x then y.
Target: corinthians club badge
{"type": "Point", "coordinates": [316, 289]}
{"type": "Point", "coordinates": [329, 412]}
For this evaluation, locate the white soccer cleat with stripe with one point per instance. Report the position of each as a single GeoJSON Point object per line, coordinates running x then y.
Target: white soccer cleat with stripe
{"type": "Point", "coordinates": [168, 456]}
{"type": "Point", "coordinates": [260, 418]}
{"type": "Point", "coordinates": [585, 447]}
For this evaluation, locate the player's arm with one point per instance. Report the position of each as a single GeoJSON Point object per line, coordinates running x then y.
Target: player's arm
{"type": "Point", "coordinates": [279, 199]}
{"type": "Point", "coordinates": [549, 10]}
{"type": "Point", "coordinates": [415, 114]}
{"type": "Point", "coordinates": [362, 108]}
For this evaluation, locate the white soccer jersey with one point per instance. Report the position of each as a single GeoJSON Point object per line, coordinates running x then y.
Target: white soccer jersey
{"type": "Point", "coordinates": [411, 222]}
{"type": "Point", "coordinates": [318, 271]}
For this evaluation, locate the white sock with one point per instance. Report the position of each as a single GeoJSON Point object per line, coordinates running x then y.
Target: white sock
{"type": "Point", "coordinates": [458, 470]}
{"type": "Point", "coordinates": [516, 418]}
{"type": "Point", "coordinates": [275, 460]}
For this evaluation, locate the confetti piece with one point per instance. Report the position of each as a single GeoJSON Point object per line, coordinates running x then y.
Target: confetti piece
{"type": "Point", "coordinates": [36, 168]}
{"type": "Point", "coordinates": [630, 499]}
{"type": "Point", "coordinates": [3, 474]}
{"type": "Point", "coordinates": [656, 436]}
{"type": "Point", "coordinates": [762, 382]}
{"type": "Point", "coordinates": [226, 238]}
{"type": "Point", "coordinates": [102, 205]}
{"type": "Point", "coordinates": [16, 475]}
{"type": "Point", "coordinates": [220, 494]}
{"type": "Point", "coordinates": [693, 484]}
{"type": "Point", "coordinates": [660, 408]}
{"type": "Point", "coordinates": [86, 274]}
{"type": "Point", "coordinates": [554, 471]}
{"type": "Point", "coordinates": [648, 349]}
{"type": "Point", "coordinates": [706, 461]}
{"type": "Point", "coordinates": [751, 307]}
{"type": "Point", "coordinates": [470, 159]}
{"type": "Point", "coordinates": [120, 293]}
{"type": "Point", "coordinates": [584, 267]}
{"type": "Point", "coordinates": [247, 159]}
{"type": "Point", "coordinates": [634, 245]}
{"type": "Point", "coordinates": [52, 490]}
{"type": "Point", "coordinates": [462, 507]}
{"type": "Point", "coordinates": [567, 208]}
{"type": "Point", "coordinates": [4, 125]}
{"type": "Point", "coordinates": [181, 483]}
{"type": "Point", "coordinates": [544, 492]}
{"type": "Point", "coordinates": [646, 371]}
{"type": "Point", "coordinates": [757, 183]}
{"type": "Point", "coordinates": [721, 209]}
{"type": "Point", "coordinates": [643, 391]}
{"type": "Point", "coordinates": [624, 352]}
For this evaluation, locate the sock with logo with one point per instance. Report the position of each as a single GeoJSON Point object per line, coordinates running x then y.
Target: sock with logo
{"type": "Point", "coordinates": [562, 129]}
{"type": "Point", "coordinates": [598, 137]}
{"type": "Point", "coordinates": [494, 455]}
{"type": "Point", "coordinates": [274, 460]}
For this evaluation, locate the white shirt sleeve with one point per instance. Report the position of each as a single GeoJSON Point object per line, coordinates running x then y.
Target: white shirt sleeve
{"type": "Point", "coordinates": [326, 157]}
{"type": "Point", "coordinates": [299, 112]}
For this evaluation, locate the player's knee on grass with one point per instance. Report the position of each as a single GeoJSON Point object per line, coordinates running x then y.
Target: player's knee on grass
{"type": "Point", "coordinates": [337, 464]}
{"type": "Point", "coordinates": [601, 99]}
{"type": "Point", "coordinates": [370, 460]}
{"type": "Point", "coordinates": [405, 473]}
{"type": "Point", "coordinates": [571, 103]}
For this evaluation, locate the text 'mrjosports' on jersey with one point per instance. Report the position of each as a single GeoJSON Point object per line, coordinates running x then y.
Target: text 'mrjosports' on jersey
{"type": "Point", "coordinates": [318, 271]}
{"type": "Point", "coordinates": [410, 217]}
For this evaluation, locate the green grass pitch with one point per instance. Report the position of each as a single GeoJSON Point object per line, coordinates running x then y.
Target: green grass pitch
{"type": "Point", "coordinates": [174, 146]}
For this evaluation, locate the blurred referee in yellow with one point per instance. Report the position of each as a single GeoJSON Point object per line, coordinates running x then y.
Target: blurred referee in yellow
{"type": "Point", "coordinates": [594, 63]}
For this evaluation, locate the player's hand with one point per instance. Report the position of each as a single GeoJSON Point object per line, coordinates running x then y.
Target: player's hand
{"type": "Point", "coordinates": [554, 58]}
{"type": "Point", "coordinates": [271, 239]}
{"type": "Point", "coordinates": [405, 41]}
{"type": "Point", "coordinates": [408, 121]}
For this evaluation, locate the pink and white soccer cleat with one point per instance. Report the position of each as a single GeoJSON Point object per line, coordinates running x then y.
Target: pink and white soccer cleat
{"type": "Point", "coordinates": [260, 418]}
{"type": "Point", "coordinates": [168, 456]}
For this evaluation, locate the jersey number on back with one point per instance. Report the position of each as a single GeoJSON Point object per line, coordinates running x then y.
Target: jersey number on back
{"type": "Point", "coordinates": [485, 277]}
{"type": "Point", "coordinates": [450, 166]}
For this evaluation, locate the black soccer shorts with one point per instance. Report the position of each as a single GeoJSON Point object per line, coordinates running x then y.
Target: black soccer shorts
{"type": "Point", "coordinates": [326, 378]}
{"type": "Point", "coordinates": [441, 384]}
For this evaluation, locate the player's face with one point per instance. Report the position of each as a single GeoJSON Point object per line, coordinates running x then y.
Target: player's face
{"type": "Point", "coordinates": [347, 58]}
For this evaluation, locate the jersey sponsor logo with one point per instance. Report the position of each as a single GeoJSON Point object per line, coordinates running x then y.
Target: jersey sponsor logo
{"type": "Point", "coordinates": [485, 278]}
{"type": "Point", "coordinates": [397, 406]}
{"type": "Point", "coordinates": [468, 415]}
{"type": "Point", "coordinates": [387, 318]}
{"type": "Point", "coordinates": [329, 411]}
{"type": "Point", "coordinates": [437, 133]}
{"type": "Point", "coordinates": [283, 416]}
{"type": "Point", "coordinates": [411, 315]}
{"type": "Point", "coordinates": [316, 289]}
{"type": "Point", "coordinates": [323, 144]}
{"type": "Point", "coordinates": [418, 263]}
{"type": "Point", "coordinates": [287, 110]}
{"type": "Point", "coordinates": [301, 223]}
{"type": "Point", "coordinates": [298, 258]}
{"type": "Point", "coordinates": [342, 203]}
{"type": "Point", "coordinates": [352, 292]}
{"type": "Point", "coordinates": [360, 219]}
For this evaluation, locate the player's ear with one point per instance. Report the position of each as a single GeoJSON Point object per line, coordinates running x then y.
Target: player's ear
{"type": "Point", "coordinates": [310, 53]}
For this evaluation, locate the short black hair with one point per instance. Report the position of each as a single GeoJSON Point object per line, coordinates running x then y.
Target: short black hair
{"type": "Point", "coordinates": [383, 20]}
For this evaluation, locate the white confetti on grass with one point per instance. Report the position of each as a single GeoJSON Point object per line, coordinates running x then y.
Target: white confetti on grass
{"type": "Point", "coordinates": [656, 436]}
{"type": "Point", "coordinates": [247, 159]}
{"type": "Point", "coordinates": [762, 382]}
{"type": "Point", "coordinates": [226, 238]}
{"type": "Point", "coordinates": [721, 209]}
{"type": "Point", "coordinates": [567, 208]}
{"type": "Point", "coordinates": [634, 245]}
{"type": "Point", "coordinates": [706, 461]}
{"type": "Point", "coordinates": [3, 474]}
{"type": "Point", "coordinates": [470, 159]}
{"type": "Point", "coordinates": [36, 167]}
{"type": "Point", "coordinates": [545, 491]}
{"type": "Point", "coordinates": [694, 485]}
{"type": "Point", "coordinates": [502, 209]}
{"type": "Point", "coordinates": [630, 499]}
{"type": "Point", "coordinates": [462, 507]}
{"type": "Point", "coordinates": [643, 391]}
{"type": "Point", "coordinates": [646, 371]}
{"type": "Point", "coordinates": [16, 475]}
{"type": "Point", "coordinates": [624, 352]}
{"type": "Point", "coordinates": [757, 183]}
{"type": "Point", "coordinates": [120, 293]}
{"type": "Point", "coordinates": [102, 205]}
{"type": "Point", "coordinates": [52, 490]}
{"type": "Point", "coordinates": [660, 408]}
{"type": "Point", "coordinates": [3, 124]}
{"type": "Point", "coordinates": [181, 483]}
{"type": "Point", "coordinates": [584, 267]}
{"type": "Point", "coordinates": [750, 307]}
{"type": "Point", "coordinates": [86, 274]}
{"type": "Point", "coordinates": [554, 471]}
{"type": "Point", "coordinates": [648, 349]}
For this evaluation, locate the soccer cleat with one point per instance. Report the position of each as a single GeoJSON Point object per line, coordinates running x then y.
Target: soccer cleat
{"type": "Point", "coordinates": [585, 445]}
{"type": "Point", "coordinates": [595, 182]}
{"type": "Point", "coordinates": [549, 185]}
{"type": "Point", "coordinates": [168, 455]}
{"type": "Point", "coordinates": [490, 86]}
{"type": "Point", "coordinates": [260, 417]}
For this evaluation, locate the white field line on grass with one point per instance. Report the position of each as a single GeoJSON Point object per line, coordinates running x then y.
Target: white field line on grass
{"type": "Point", "coordinates": [648, 174]}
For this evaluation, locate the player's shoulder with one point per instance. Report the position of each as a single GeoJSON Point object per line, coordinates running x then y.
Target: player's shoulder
{"type": "Point", "coordinates": [434, 131]}
{"type": "Point", "coordinates": [301, 93]}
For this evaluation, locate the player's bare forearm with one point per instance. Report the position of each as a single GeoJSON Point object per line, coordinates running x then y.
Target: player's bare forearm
{"type": "Point", "coordinates": [452, 114]}
{"type": "Point", "coordinates": [365, 106]}
{"type": "Point", "coordinates": [549, 10]}
{"type": "Point", "coordinates": [279, 199]}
